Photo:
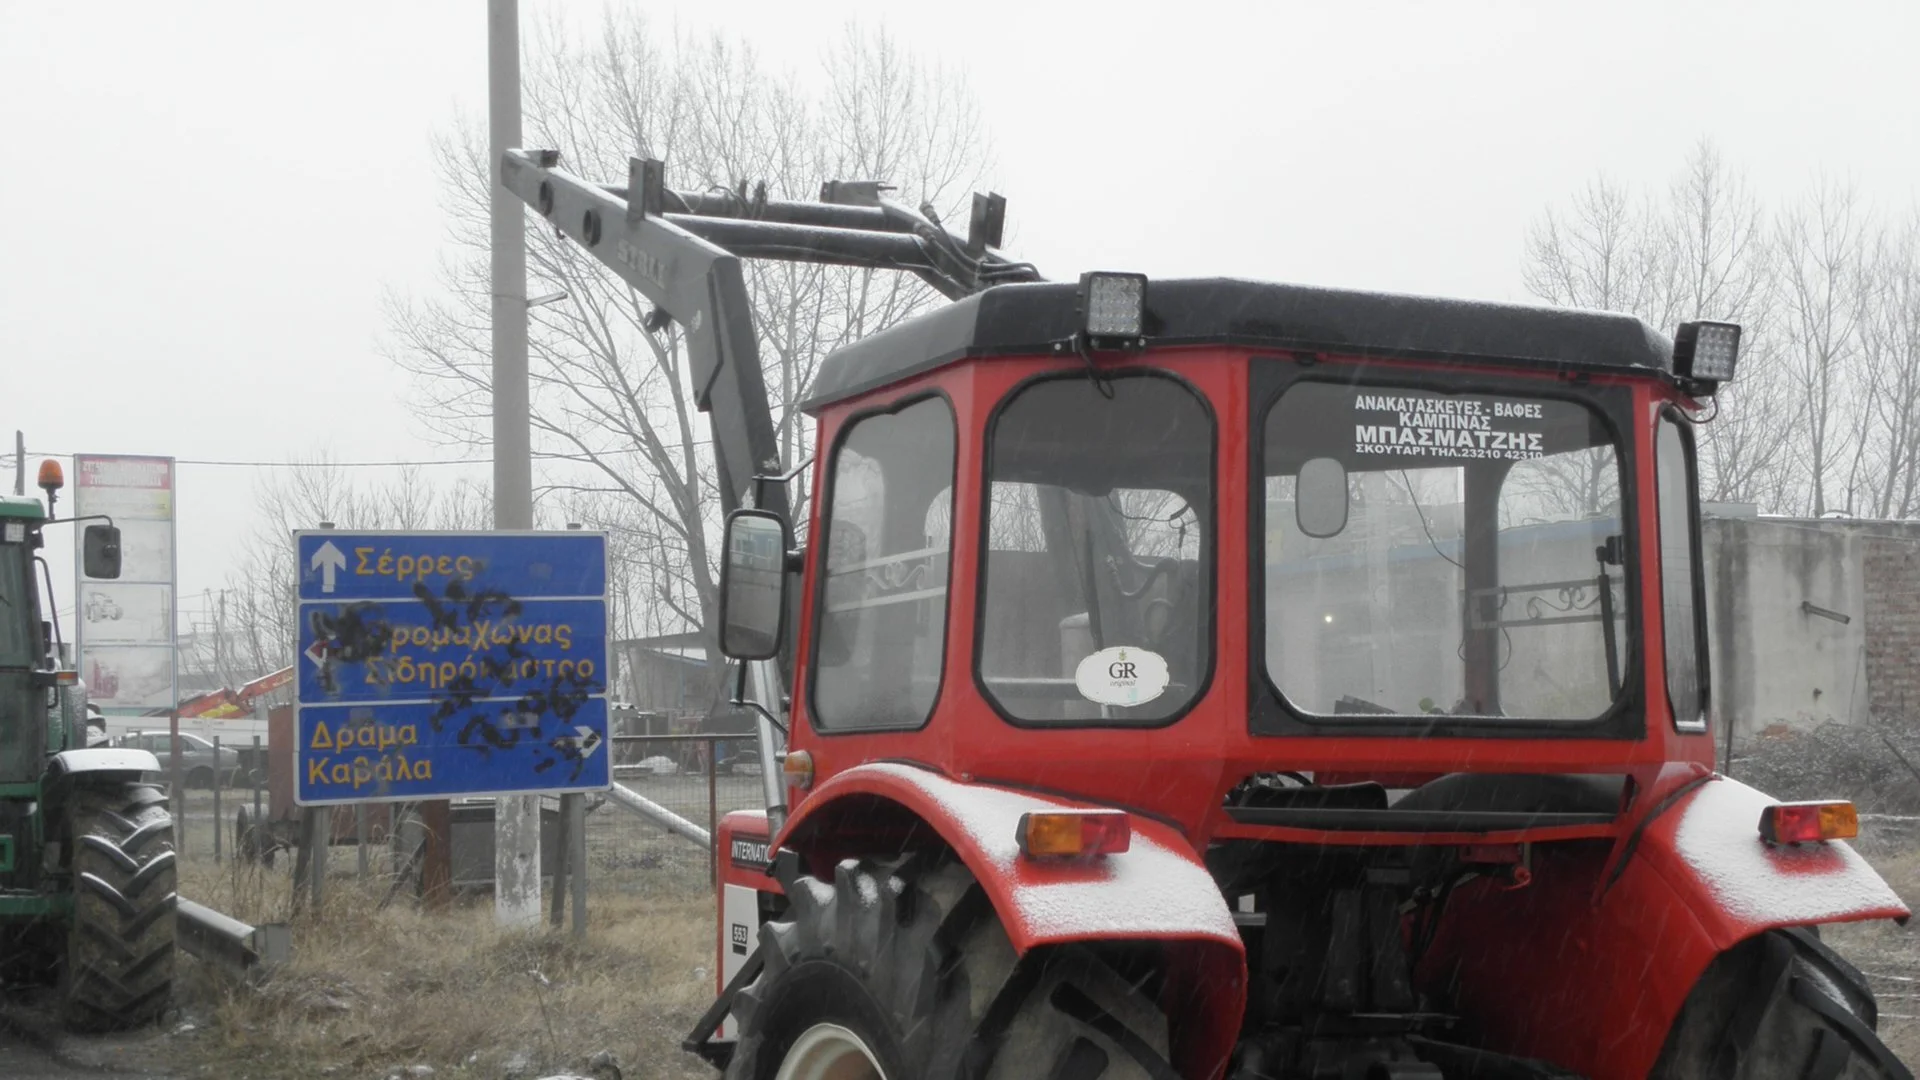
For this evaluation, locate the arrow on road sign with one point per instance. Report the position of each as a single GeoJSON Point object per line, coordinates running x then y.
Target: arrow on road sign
{"type": "Point", "coordinates": [317, 652]}
{"type": "Point", "coordinates": [327, 560]}
{"type": "Point", "coordinates": [585, 742]}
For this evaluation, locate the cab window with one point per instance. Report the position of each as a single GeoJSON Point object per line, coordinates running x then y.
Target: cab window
{"type": "Point", "coordinates": [1096, 597]}
{"type": "Point", "coordinates": [881, 631]}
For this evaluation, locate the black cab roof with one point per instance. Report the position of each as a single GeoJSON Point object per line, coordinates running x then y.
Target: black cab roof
{"type": "Point", "coordinates": [1026, 319]}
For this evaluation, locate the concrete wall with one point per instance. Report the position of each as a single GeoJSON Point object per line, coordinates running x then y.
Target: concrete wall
{"type": "Point", "coordinates": [1778, 660]}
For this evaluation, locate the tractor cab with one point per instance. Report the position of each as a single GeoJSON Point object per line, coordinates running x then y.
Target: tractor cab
{"type": "Point", "coordinates": [1189, 535]}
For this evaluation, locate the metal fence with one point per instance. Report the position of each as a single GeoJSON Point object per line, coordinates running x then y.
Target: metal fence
{"type": "Point", "coordinates": [699, 777]}
{"type": "Point", "coordinates": [204, 810]}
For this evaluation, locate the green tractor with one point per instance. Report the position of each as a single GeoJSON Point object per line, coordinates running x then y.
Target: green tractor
{"type": "Point", "coordinates": [87, 875]}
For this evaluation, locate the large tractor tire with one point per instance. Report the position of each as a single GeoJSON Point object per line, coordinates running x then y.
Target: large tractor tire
{"type": "Point", "coordinates": [895, 972]}
{"type": "Point", "coordinates": [1781, 1006]}
{"type": "Point", "coordinates": [120, 948]}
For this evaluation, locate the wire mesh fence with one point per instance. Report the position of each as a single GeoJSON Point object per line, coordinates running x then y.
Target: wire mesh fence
{"type": "Point", "coordinates": [698, 777]}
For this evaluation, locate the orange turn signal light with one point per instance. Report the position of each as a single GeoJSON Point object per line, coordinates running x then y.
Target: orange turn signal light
{"type": "Point", "coordinates": [51, 478]}
{"type": "Point", "coordinates": [1805, 822]}
{"type": "Point", "coordinates": [797, 767]}
{"type": "Point", "coordinates": [1073, 834]}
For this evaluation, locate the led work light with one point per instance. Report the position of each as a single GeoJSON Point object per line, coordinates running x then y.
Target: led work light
{"type": "Point", "coordinates": [1706, 352]}
{"type": "Point", "coordinates": [1113, 305]}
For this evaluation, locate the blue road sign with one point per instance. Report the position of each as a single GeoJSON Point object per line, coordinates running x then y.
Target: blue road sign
{"type": "Point", "coordinates": [425, 750]}
{"type": "Point", "coordinates": [443, 665]}
{"type": "Point", "coordinates": [403, 566]}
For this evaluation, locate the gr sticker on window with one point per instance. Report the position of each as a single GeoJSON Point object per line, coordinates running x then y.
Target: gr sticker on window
{"type": "Point", "coordinates": [1121, 675]}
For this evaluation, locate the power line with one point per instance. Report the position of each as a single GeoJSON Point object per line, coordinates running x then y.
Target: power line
{"type": "Point", "coordinates": [220, 462]}
{"type": "Point", "coordinates": [6, 460]}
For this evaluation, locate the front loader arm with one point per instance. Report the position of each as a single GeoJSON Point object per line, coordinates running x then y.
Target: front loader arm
{"type": "Point", "coordinates": [682, 251]}
{"type": "Point", "coordinates": [692, 281]}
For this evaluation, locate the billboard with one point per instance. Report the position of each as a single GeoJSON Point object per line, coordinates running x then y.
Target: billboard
{"type": "Point", "coordinates": [125, 626]}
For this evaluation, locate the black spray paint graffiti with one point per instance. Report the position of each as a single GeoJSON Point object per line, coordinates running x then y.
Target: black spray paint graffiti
{"type": "Point", "coordinates": [473, 703]}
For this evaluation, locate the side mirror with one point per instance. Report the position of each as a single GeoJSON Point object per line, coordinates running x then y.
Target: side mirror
{"type": "Point", "coordinates": [753, 585]}
{"type": "Point", "coordinates": [1320, 498]}
{"type": "Point", "coordinates": [100, 552]}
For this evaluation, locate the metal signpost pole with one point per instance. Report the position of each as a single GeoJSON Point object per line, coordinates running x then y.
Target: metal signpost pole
{"type": "Point", "coordinates": [173, 658]}
{"type": "Point", "coordinates": [576, 854]}
{"type": "Point", "coordinates": [516, 865]}
{"type": "Point", "coordinates": [218, 783]}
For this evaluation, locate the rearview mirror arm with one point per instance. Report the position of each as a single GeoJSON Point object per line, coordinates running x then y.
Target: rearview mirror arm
{"type": "Point", "coordinates": [108, 518]}
{"type": "Point", "coordinates": [53, 612]}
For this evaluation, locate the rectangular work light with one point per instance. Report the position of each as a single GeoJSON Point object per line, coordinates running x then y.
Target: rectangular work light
{"type": "Point", "coordinates": [1706, 352]}
{"type": "Point", "coordinates": [1113, 305]}
{"type": "Point", "coordinates": [1071, 834]}
{"type": "Point", "coordinates": [1806, 822]}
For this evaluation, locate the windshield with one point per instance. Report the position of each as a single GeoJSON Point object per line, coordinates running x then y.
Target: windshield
{"type": "Point", "coordinates": [1099, 520]}
{"type": "Point", "coordinates": [1479, 569]}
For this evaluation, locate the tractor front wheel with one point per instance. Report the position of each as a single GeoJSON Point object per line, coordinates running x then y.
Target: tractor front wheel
{"type": "Point", "coordinates": [1781, 1006]}
{"type": "Point", "coordinates": [893, 972]}
{"type": "Point", "coordinates": [118, 969]}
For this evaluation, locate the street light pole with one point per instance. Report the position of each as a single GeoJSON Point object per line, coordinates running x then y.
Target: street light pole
{"type": "Point", "coordinates": [516, 858]}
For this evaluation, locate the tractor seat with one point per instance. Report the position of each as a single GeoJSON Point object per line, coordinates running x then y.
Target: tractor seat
{"type": "Point", "coordinates": [1458, 802]}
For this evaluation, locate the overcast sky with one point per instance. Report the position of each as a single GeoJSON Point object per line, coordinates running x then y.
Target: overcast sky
{"type": "Point", "coordinates": [204, 202]}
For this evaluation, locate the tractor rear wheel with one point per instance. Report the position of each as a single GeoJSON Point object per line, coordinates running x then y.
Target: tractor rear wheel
{"type": "Point", "coordinates": [893, 972]}
{"type": "Point", "coordinates": [1781, 1006]}
{"type": "Point", "coordinates": [119, 956]}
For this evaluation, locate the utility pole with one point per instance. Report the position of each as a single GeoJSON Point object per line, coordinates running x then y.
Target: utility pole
{"type": "Point", "coordinates": [516, 851]}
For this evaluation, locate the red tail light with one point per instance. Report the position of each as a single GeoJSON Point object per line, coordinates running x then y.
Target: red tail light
{"type": "Point", "coordinates": [1805, 822]}
{"type": "Point", "coordinates": [1069, 834]}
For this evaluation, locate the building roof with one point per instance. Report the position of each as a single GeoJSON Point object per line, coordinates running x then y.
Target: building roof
{"type": "Point", "coordinates": [1031, 318]}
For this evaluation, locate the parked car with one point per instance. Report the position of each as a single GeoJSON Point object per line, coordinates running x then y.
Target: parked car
{"type": "Point", "coordinates": [198, 761]}
{"type": "Point", "coordinates": [744, 763]}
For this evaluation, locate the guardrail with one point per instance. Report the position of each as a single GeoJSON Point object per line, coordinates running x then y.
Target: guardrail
{"type": "Point", "coordinates": [246, 952]}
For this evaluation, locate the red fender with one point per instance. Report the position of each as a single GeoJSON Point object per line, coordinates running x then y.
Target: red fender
{"type": "Point", "coordinates": [1590, 973]}
{"type": "Point", "coordinates": [1158, 890]}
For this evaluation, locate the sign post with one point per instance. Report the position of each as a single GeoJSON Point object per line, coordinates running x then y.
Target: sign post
{"type": "Point", "coordinates": [438, 666]}
{"type": "Point", "coordinates": [125, 630]}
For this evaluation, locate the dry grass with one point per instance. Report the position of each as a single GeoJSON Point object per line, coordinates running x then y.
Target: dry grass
{"type": "Point", "coordinates": [370, 991]}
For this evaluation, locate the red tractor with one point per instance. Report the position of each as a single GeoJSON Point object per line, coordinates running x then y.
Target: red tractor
{"type": "Point", "coordinates": [1215, 679]}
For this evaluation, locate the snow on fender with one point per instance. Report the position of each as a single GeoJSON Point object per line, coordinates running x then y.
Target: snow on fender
{"type": "Point", "coordinates": [1156, 889]}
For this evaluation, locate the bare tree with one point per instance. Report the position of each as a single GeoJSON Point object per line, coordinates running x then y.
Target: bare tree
{"type": "Point", "coordinates": [1594, 254]}
{"type": "Point", "coordinates": [1890, 360]}
{"type": "Point", "coordinates": [612, 409]}
{"type": "Point", "coordinates": [253, 624]}
{"type": "Point", "coordinates": [1698, 249]}
{"type": "Point", "coordinates": [1820, 250]}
